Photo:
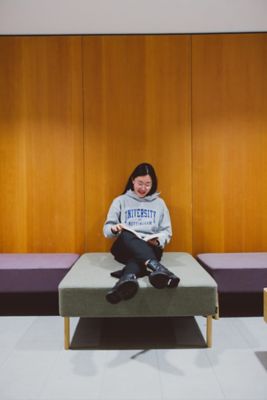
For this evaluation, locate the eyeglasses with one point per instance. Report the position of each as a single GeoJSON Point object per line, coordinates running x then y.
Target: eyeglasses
{"type": "Point", "coordinates": [142, 184]}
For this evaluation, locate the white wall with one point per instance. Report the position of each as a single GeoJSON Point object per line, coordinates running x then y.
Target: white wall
{"type": "Point", "coordinates": [131, 16]}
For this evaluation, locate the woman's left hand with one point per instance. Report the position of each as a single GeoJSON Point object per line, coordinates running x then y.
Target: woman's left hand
{"type": "Point", "coordinates": [153, 242]}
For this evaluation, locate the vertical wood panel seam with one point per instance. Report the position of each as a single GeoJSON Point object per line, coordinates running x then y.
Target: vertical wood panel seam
{"type": "Point", "coordinates": [191, 144]}
{"type": "Point", "coordinates": [84, 144]}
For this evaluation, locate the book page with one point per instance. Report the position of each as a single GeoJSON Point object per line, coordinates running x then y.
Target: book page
{"type": "Point", "coordinates": [143, 236]}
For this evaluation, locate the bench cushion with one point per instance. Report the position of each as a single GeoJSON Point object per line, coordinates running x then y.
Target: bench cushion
{"type": "Point", "coordinates": [82, 291]}
{"type": "Point", "coordinates": [236, 272]}
{"type": "Point", "coordinates": [34, 272]}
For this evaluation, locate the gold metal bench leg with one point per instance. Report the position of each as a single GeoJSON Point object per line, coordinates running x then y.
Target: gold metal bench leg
{"type": "Point", "coordinates": [66, 333]}
{"type": "Point", "coordinates": [209, 331]}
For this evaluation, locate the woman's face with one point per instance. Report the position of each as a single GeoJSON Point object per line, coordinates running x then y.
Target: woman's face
{"type": "Point", "coordinates": [142, 185]}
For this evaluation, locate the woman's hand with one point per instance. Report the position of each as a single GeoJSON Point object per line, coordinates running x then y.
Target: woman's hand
{"type": "Point", "coordinates": [116, 228]}
{"type": "Point", "coordinates": [153, 242]}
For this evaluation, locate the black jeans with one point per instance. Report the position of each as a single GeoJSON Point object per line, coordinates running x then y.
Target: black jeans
{"type": "Point", "coordinates": [133, 252]}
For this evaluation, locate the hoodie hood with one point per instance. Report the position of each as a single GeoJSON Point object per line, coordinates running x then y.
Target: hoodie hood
{"type": "Point", "coordinates": [149, 198]}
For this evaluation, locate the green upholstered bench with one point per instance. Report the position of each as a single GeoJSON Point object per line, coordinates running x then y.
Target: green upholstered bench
{"type": "Point", "coordinates": [82, 292]}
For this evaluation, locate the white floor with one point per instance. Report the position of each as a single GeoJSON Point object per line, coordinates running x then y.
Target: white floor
{"type": "Point", "coordinates": [34, 365]}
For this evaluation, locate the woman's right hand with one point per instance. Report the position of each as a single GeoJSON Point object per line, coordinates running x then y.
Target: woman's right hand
{"type": "Point", "coordinates": [117, 228]}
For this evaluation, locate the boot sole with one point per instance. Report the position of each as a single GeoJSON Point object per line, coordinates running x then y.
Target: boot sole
{"type": "Point", "coordinates": [159, 280]}
{"type": "Point", "coordinates": [113, 297]}
{"type": "Point", "coordinates": [125, 291]}
{"type": "Point", "coordinates": [173, 282]}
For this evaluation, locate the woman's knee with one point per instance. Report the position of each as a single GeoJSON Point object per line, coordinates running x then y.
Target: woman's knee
{"type": "Point", "coordinates": [126, 236]}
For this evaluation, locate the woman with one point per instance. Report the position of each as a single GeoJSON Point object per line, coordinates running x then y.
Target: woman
{"type": "Point", "coordinates": [140, 221]}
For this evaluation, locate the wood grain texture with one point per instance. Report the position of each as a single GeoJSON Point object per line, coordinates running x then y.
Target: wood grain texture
{"type": "Point", "coordinates": [229, 131]}
{"type": "Point", "coordinates": [77, 114]}
{"type": "Point", "coordinates": [137, 108]}
{"type": "Point", "coordinates": [41, 144]}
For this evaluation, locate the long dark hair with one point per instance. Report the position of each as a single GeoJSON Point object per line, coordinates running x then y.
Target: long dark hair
{"type": "Point", "coordinates": [142, 170]}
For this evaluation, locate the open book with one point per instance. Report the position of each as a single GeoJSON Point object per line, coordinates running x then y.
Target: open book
{"type": "Point", "coordinates": [143, 236]}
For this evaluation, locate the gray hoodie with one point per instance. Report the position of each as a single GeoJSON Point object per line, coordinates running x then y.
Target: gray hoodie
{"type": "Point", "coordinates": [143, 214]}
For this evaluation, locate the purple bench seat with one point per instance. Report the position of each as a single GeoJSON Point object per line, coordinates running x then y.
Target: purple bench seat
{"type": "Point", "coordinates": [241, 278]}
{"type": "Point", "coordinates": [29, 281]}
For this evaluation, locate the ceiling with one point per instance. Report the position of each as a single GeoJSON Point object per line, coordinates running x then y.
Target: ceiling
{"type": "Point", "coordinates": [131, 16]}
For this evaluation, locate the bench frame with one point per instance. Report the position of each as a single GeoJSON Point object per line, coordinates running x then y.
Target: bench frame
{"type": "Point", "coordinates": [95, 268]}
{"type": "Point", "coordinates": [67, 337]}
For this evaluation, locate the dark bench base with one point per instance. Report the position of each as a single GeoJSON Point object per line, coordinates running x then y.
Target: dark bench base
{"type": "Point", "coordinates": [18, 304]}
{"type": "Point", "coordinates": [241, 304]}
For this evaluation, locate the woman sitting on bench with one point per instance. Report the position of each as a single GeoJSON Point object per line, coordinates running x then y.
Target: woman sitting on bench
{"type": "Point", "coordinates": [140, 221]}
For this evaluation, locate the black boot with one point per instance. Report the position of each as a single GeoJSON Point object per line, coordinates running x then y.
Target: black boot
{"type": "Point", "coordinates": [124, 289]}
{"type": "Point", "coordinates": [160, 276]}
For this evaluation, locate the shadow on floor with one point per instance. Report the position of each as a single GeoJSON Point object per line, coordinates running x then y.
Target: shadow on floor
{"type": "Point", "coordinates": [137, 333]}
{"type": "Point", "coordinates": [262, 356]}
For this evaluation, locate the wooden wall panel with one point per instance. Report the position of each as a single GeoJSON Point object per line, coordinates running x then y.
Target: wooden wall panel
{"type": "Point", "coordinates": [229, 133]}
{"type": "Point", "coordinates": [137, 108]}
{"type": "Point", "coordinates": [41, 145]}
{"type": "Point", "coordinates": [132, 97]}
